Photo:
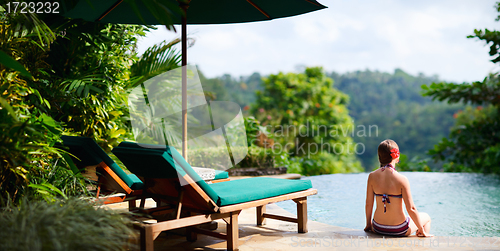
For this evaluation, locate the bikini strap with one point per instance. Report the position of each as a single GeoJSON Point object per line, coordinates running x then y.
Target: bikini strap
{"type": "Point", "coordinates": [390, 166]}
{"type": "Point", "coordinates": [385, 198]}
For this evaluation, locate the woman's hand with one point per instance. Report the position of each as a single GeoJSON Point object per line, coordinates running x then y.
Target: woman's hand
{"type": "Point", "coordinates": [423, 234]}
{"type": "Point", "coordinates": [368, 227]}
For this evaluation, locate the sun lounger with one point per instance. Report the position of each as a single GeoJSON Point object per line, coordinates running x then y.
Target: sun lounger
{"type": "Point", "coordinates": [189, 196]}
{"type": "Point", "coordinates": [113, 184]}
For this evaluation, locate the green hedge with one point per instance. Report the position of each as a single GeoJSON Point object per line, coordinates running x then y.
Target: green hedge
{"type": "Point", "coordinates": [322, 163]}
{"type": "Point", "coordinates": [256, 157]}
{"type": "Point", "coordinates": [327, 163]}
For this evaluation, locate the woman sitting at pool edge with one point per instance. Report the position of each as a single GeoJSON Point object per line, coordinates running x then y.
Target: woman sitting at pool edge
{"type": "Point", "coordinates": [391, 188]}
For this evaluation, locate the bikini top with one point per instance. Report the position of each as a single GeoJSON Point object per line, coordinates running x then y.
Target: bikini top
{"type": "Point", "coordinates": [385, 197]}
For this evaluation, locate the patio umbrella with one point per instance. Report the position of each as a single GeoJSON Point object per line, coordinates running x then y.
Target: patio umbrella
{"type": "Point", "coordinates": [168, 12]}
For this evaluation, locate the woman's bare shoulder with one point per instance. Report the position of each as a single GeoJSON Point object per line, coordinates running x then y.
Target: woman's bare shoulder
{"type": "Point", "coordinates": [373, 173]}
{"type": "Point", "coordinates": [401, 178]}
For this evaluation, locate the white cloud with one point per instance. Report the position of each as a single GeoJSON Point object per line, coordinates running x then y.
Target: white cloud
{"type": "Point", "coordinates": [417, 36]}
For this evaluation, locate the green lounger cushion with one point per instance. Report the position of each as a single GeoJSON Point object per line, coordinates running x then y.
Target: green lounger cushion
{"type": "Point", "coordinates": [78, 147]}
{"type": "Point", "coordinates": [143, 146]}
{"type": "Point", "coordinates": [157, 163]}
{"type": "Point", "coordinates": [149, 147]}
{"type": "Point", "coordinates": [137, 182]}
{"type": "Point", "coordinates": [148, 163]}
{"type": "Point", "coordinates": [153, 162]}
{"type": "Point", "coordinates": [90, 153]}
{"type": "Point", "coordinates": [244, 190]}
{"type": "Point", "coordinates": [221, 175]}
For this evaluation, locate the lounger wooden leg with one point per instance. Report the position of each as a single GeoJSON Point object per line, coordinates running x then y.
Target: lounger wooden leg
{"type": "Point", "coordinates": [144, 193]}
{"type": "Point", "coordinates": [232, 231]}
{"type": "Point", "coordinates": [147, 239]}
{"type": "Point", "coordinates": [131, 204]}
{"type": "Point", "coordinates": [179, 206]}
{"type": "Point", "coordinates": [302, 214]}
{"type": "Point", "coordinates": [261, 210]}
{"type": "Point", "coordinates": [98, 187]}
{"type": "Point", "coordinates": [191, 234]}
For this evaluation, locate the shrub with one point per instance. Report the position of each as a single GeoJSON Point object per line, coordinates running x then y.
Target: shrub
{"type": "Point", "coordinates": [326, 163]}
{"type": "Point", "coordinates": [218, 158]}
{"type": "Point", "coordinates": [28, 159]}
{"type": "Point", "coordinates": [416, 164]}
{"type": "Point", "coordinates": [210, 157]}
{"type": "Point", "coordinates": [63, 225]}
{"type": "Point", "coordinates": [258, 157]}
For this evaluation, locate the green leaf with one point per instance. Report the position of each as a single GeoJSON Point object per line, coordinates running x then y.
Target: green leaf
{"type": "Point", "coordinates": [50, 123]}
{"type": "Point", "coordinates": [47, 189]}
{"type": "Point", "coordinates": [71, 164]}
{"type": "Point", "coordinates": [55, 189]}
{"type": "Point", "coordinates": [13, 64]}
{"type": "Point", "coordinates": [5, 105]}
{"type": "Point", "coordinates": [93, 88]}
{"type": "Point", "coordinates": [79, 91]}
{"type": "Point", "coordinates": [86, 91]}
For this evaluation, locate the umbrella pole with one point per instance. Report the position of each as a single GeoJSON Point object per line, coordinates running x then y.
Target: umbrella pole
{"type": "Point", "coordinates": [184, 81]}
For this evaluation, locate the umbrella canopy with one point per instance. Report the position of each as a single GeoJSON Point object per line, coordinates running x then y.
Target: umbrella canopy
{"type": "Point", "coordinates": [168, 12]}
{"type": "Point", "coordinates": [199, 11]}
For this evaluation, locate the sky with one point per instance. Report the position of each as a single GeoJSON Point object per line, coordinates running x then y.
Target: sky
{"type": "Point", "coordinates": [425, 36]}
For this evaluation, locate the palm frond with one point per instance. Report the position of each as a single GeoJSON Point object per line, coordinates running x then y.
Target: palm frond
{"type": "Point", "coordinates": [83, 85]}
{"type": "Point", "coordinates": [28, 24]}
{"type": "Point", "coordinates": [157, 59]}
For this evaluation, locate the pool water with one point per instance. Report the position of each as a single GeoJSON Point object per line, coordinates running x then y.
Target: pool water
{"type": "Point", "coordinates": [460, 204]}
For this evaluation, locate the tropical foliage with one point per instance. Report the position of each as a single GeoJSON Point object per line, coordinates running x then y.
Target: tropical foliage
{"type": "Point", "coordinates": [474, 142]}
{"type": "Point", "coordinates": [62, 76]}
{"type": "Point", "coordinates": [226, 88]}
{"type": "Point", "coordinates": [29, 159]}
{"type": "Point", "coordinates": [309, 119]}
{"type": "Point", "coordinates": [27, 131]}
{"type": "Point", "coordinates": [382, 105]}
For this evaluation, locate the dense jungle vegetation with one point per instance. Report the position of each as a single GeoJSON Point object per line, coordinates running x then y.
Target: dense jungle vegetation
{"type": "Point", "coordinates": [382, 105]}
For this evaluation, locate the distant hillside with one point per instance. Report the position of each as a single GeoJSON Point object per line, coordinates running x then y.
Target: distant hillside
{"type": "Point", "coordinates": [394, 104]}
{"type": "Point", "coordinates": [391, 103]}
{"type": "Point", "coordinates": [240, 90]}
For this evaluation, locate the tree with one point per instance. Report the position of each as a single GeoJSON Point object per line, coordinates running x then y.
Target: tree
{"type": "Point", "coordinates": [309, 119]}
{"type": "Point", "coordinates": [474, 143]}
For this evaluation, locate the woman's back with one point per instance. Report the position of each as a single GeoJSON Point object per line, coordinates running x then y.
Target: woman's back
{"type": "Point", "coordinates": [390, 184]}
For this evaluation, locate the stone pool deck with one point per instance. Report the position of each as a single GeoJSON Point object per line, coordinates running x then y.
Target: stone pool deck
{"type": "Point", "coordinates": [280, 235]}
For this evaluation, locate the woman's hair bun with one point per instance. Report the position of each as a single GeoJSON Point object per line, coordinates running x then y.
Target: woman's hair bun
{"type": "Point", "coordinates": [384, 151]}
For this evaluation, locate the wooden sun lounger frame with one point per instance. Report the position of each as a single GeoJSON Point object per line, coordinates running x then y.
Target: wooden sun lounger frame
{"type": "Point", "coordinates": [210, 212]}
{"type": "Point", "coordinates": [108, 180]}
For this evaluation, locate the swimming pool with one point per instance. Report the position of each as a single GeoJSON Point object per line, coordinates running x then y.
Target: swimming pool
{"type": "Point", "coordinates": [460, 204]}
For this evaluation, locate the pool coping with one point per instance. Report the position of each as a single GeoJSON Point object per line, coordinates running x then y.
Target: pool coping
{"type": "Point", "coordinates": [279, 235]}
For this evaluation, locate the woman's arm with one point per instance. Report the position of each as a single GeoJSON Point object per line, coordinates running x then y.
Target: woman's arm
{"type": "Point", "coordinates": [410, 206]}
{"type": "Point", "coordinates": [369, 204]}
